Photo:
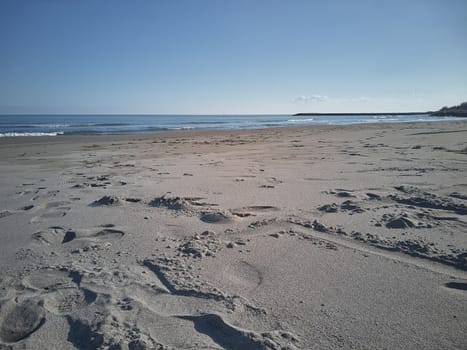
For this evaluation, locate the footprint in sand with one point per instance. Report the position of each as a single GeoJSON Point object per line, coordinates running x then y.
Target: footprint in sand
{"type": "Point", "coordinates": [51, 215]}
{"type": "Point", "coordinates": [48, 194]}
{"type": "Point", "coordinates": [457, 285]}
{"type": "Point", "coordinates": [20, 320]}
{"type": "Point", "coordinates": [65, 301]}
{"type": "Point", "coordinates": [61, 290]}
{"type": "Point", "coordinates": [209, 322]}
{"type": "Point", "coordinates": [50, 279]}
{"type": "Point", "coordinates": [82, 335]}
{"type": "Point", "coordinates": [231, 337]}
{"type": "Point", "coordinates": [252, 210]}
{"type": "Point", "coordinates": [57, 205]}
{"type": "Point", "coordinates": [133, 200]}
{"type": "Point", "coordinates": [109, 234]}
{"type": "Point", "coordinates": [244, 274]}
{"type": "Point", "coordinates": [54, 235]}
{"type": "Point", "coordinates": [53, 210]}
{"type": "Point", "coordinates": [216, 218]}
{"type": "Point", "coordinates": [5, 213]}
{"type": "Point", "coordinates": [342, 193]}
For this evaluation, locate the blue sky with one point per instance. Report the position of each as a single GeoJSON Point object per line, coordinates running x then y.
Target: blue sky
{"type": "Point", "coordinates": [242, 56]}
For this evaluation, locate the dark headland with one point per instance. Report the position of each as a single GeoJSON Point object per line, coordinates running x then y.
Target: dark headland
{"type": "Point", "coordinates": [393, 113]}
{"type": "Point", "coordinates": [455, 111]}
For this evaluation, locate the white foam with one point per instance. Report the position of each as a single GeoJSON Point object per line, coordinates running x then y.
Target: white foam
{"type": "Point", "coordinates": [16, 134]}
{"type": "Point", "coordinates": [300, 120]}
{"type": "Point", "coordinates": [181, 128]}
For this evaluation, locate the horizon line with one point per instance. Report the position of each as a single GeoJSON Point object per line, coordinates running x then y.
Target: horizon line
{"type": "Point", "coordinates": [219, 114]}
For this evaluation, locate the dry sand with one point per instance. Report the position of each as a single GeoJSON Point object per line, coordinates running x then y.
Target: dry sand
{"type": "Point", "coordinates": [332, 237]}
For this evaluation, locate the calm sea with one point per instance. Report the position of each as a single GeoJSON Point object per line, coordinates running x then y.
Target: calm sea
{"type": "Point", "coordinates": [42, 125]}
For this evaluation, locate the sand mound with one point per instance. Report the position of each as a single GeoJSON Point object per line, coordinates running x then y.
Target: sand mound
{"type": "Point", "coordinates": [175, 203]}
{"type": "Point", "coordinates": [430, 201]}
{"type": "Point", "coordinates": [328, 208]}
{"type": "Point", "coordinates": [373, 196]}
{"type": "Point", "coordinates": [351, 206]}
{"type": "Point", "coordinates": [400, 223]}
{"type": "Point", "coordinates": [199, 246]}
{"type": "Point", "coordinates": [106, 200]}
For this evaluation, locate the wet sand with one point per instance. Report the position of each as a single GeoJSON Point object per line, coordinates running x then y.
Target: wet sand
{"type": "Point", "coordinates": [285, 238]}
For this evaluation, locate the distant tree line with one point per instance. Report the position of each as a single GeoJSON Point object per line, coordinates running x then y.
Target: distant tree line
{"type": "Point", "coordinates": [456, 111]}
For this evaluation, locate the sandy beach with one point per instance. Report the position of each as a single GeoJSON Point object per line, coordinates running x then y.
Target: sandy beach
{"type": "Point", "coordinates": [320, 237]}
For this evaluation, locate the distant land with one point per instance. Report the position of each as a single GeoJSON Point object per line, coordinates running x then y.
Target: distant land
{"type": "Point", "coordinates": [455, 111]}
{"type": "Point", "coordinates": [393, 113]}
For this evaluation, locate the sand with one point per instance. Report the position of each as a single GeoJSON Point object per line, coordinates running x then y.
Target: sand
{"type": "Point", "coordinates": [329, 237]}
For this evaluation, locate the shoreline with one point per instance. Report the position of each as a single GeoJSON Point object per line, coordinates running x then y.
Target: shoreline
{"type": "Point", "coordinates": [201, 133]}
{"type": "Point", "coordinates": [56, 126]}
{"type": "Point", "coordinates": [365, 114]}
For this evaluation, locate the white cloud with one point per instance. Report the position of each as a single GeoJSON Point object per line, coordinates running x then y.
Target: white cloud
{"type": "Point", "coordinates": [353, 99]}
{"type": "Point", "coordinates": [321, 98]}
{"type": "Point", "coordinates": [311, 98]}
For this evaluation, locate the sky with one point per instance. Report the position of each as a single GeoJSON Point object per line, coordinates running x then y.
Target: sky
{"type": "Point", "coordinates": [231, 56]}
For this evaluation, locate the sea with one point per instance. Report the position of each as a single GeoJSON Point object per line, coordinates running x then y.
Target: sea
{"type": "Point", "coordinates": [55, 125]}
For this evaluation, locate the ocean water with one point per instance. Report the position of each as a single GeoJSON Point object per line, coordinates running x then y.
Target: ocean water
{"type": "Point", "coordinates": [53, 125]}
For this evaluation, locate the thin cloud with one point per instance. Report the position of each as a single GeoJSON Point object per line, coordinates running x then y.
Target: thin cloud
{"type": "Point", "coordinates": [353, 99]}
{"type": "Point", "coordinates": [311, 98]}
{"type": "Point", "coordinates": [322, 98]}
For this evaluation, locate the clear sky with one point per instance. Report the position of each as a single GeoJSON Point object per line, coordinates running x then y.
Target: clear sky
{"type": "Point", "coordinates": [231, 56]}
